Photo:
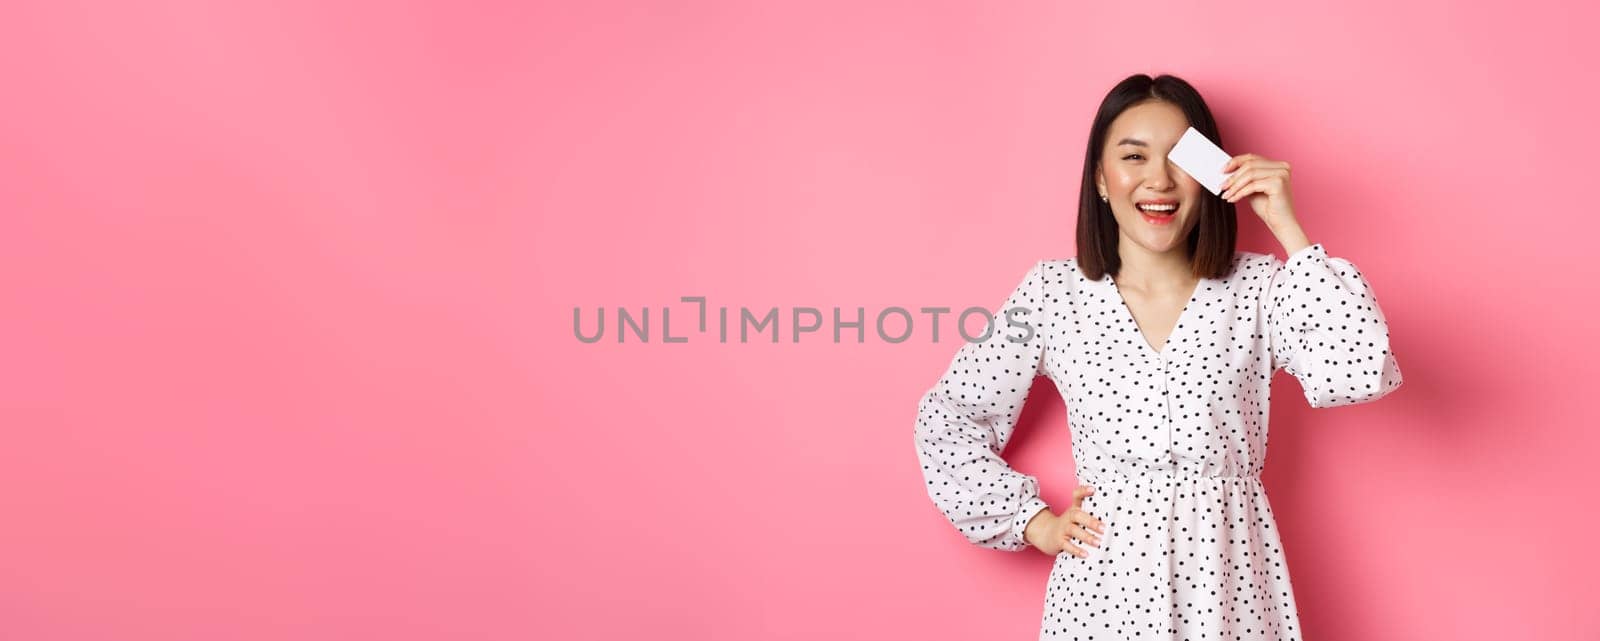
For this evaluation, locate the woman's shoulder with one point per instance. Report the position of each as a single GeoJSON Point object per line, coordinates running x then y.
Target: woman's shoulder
{"type": "Point", "coordinates": [1249, 259]}
{"type": "Point", "coordinates": [1061, 269]}
{"type": "Point", "coordinates": [1248, 264]}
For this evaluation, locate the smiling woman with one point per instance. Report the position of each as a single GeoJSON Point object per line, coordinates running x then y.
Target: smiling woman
{"type": "Point", "coordinates": [1163, 340]}
{"type": "Point", "coordinates": [1127, 180]}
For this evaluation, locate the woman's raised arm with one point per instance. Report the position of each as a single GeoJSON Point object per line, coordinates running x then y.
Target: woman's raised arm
{"type": "Point", "coordinates": [1324, 325]}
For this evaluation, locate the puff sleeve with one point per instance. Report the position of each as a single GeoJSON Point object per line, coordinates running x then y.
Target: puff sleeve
{"type": "Point", "coordinates": [965, 420]}
{"type": "Point", "coordinates": [1325, 327]}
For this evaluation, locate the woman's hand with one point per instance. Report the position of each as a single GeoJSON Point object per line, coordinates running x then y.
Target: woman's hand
{"type": "Point", "coordinates": [1053, 534]}
{"type": "Point", "coordinates": [1266, 182]}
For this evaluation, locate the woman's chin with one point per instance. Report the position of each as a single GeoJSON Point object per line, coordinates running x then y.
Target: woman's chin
{"type": "Point", "coordinates": [1160, 242]}
{"type": "Point", "coordinates": [1158, 238]}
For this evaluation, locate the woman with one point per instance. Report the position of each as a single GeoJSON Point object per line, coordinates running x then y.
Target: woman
{"type": "Point", "coordinates": [1163, 341]}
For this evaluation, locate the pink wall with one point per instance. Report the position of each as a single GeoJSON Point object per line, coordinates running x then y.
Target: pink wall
{"type": "Point", "coordinates": [289, 292]}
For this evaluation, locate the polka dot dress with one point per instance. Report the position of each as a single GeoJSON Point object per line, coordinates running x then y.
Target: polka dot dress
{"type": "Point", "coordinates": [1172, 439]}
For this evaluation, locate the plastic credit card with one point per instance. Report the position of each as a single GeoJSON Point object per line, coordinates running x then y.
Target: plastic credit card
{"type": "Point", "coordinates": [1202, 159]}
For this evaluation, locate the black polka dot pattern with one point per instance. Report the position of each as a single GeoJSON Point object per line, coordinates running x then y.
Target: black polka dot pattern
{"type": "Point", "coordinates": [1173, 440]}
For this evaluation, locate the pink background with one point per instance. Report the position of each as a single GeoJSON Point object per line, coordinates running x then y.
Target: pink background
{"type": "Point", "coordinates": [289, 291]}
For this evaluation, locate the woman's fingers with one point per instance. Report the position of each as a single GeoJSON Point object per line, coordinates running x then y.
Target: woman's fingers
{"type": "Point", "coordinates": [1242, 190]}
{"type": "Point", "coordinates": [1244, 165]}
{"type": "Point", "coordinates": [1246, 160]}
{"type": "Point", "coordinates": [1083, 534]}
{"type": "Point", "coordinates": [1083, 521]}
{"type": "Point", "coordinates": [1267, 183]}
{"type": "Point", "coordinates": [1074, 536]}
{"type": "Point", "coordinates": [1252, 170]}
{"type": "Point", "coordinates": [1255, 181]}
{"type": "Point", "coordinates": [1079, 492]}
{"type": "Point", "coordinates": [1238, 178]}
{"type": "Point", "coordinates": [1078, 524]}
{"type": "Point", "coordinates": [1238, 161]}
{"type": "Point", "coordinates": [1232, 185]}
{"type": "Point", "coordinates": [1077, 516]}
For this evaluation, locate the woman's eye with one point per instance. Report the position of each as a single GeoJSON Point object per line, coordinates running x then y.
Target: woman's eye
{"type": "Point", "coordinates": [1130, 156]}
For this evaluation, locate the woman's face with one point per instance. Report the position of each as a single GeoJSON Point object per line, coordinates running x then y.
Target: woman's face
{"type": "Point", "coordinates": [1134, 171]}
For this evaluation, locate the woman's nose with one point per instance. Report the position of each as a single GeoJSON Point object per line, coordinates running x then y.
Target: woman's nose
{"type": "Point", "coordinates": [1161, 177]}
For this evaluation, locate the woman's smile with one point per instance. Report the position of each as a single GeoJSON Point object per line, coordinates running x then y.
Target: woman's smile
{"type": "Point", "coordinates": [1157, 212]}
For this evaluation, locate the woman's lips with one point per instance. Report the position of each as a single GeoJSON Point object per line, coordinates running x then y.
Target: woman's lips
{"type": "Point", "coordinates": [1159, 219]}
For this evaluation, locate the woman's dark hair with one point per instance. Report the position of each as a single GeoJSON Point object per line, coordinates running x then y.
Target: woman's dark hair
{"type": "Point", "coordinates": [1211, 243]}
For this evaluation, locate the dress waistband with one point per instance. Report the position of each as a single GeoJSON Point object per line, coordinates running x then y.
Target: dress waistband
{"type": "Point", "coordinates": [1157, 476]}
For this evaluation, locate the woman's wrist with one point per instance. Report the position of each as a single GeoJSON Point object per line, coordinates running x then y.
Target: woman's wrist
{"type": "Point", "coordinates": [1292, 237]}
{"type": "Point", "coordinates": [1038, 520]}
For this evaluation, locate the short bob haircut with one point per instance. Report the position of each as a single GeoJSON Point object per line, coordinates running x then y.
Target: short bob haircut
{"type": "Point", "coordinates": [1211, 242]}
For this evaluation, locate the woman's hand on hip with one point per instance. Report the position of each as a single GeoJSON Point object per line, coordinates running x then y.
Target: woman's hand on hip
{"type": "Point", "coordinates": [1052, 534]}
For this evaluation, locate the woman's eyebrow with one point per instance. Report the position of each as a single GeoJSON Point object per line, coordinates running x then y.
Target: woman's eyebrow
{"type": "Point", "coordinates": [1132, 141]}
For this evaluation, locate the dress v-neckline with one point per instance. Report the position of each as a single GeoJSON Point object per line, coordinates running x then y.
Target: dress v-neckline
{"type": "Point", "coordinates": [1183, 315]}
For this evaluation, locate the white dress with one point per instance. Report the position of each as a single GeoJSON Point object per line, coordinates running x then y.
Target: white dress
{"type": "Point", "coordinates": [1172, 441]}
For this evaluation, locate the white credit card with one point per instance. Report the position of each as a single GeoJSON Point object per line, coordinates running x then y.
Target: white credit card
{"type": "Point", "coordinates": [1202, 159]}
